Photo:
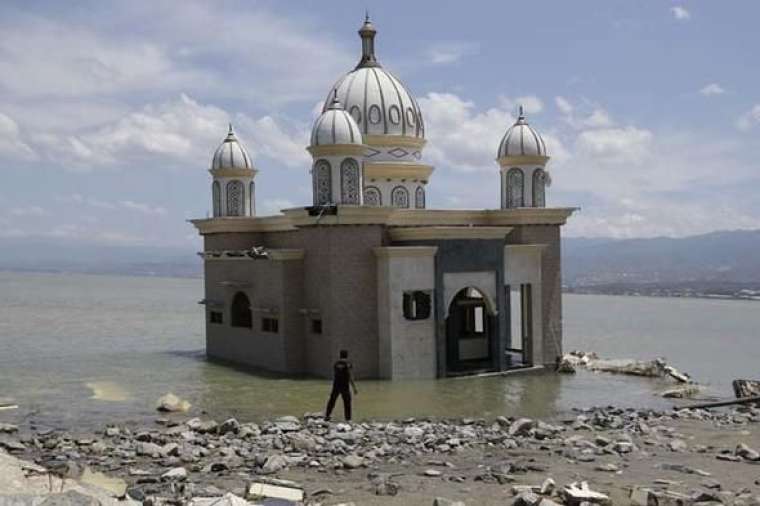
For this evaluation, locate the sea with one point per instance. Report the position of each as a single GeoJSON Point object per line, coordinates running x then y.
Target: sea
{"type": "Point", "coordinates": [88, 350]}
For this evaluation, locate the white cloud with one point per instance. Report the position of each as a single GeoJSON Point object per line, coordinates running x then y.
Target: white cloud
{"type": "Point", "coordinates": [583, 115]}
{"type": "Point", "coordinates": [712, 89]}
{"type": "Point", "coordinates": [445, 53]}
{"type": "Point", "coordinates": [10, 140]}
{"type": "Point", "coordinates": [28, 211]}
{"type": "Point", "coordinates": [680, 13]}
{"type": "Point", "coordinates": [749, 119]}
{"type": "Point", "coordinates": [279, 140]}
{"type": "Point", "coordinates": [531, 104]}
{"type": "Point", "coordinates": [564, 105]}
{"type": "Point", "coordinates": [143, 208]}
{"type": "Point", "coordinates": [618, 145]}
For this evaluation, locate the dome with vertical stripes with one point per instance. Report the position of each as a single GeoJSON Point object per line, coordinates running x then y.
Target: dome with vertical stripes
{"type": "Point", "coordinates": [335, 126]}
{"type": "Point", "coordinates": [231, 154]}
{"type": "Point", "coordinates": [379, 103]}
{"type": "Point", "coordinates": [521, 140]}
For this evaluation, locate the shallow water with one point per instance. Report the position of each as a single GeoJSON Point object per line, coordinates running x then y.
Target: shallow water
{"type": "Point", "coordinates": [86, 350]}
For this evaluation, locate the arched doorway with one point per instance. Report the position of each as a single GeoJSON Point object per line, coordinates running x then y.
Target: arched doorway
{"type": "Point", "coordinates": [470, 326]}
{"type": "Point", "coordinates": [240, 311]}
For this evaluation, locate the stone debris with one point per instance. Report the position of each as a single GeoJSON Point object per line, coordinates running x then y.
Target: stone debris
{"type": "Point", "coordinates": [656, 368]}
{"type": "Point", "coordinates": [178, 460]}
{"type": "Point", "coordinates": [257, 491]}
{"type": "Point", "coordinates": [171, 403]}
{"type": "Point", "coordinates": [577, 493]}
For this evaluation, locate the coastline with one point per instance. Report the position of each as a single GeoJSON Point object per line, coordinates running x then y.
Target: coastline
{"type": "Point", "coordinates": [699, 453]}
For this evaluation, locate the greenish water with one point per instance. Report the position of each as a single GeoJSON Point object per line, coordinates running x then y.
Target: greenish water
{"type": "Point", "coordinates": [86, 350]}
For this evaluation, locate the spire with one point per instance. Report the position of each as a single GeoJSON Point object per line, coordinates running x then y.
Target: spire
{"type": "Point", "coordinates": [335, 104]}
{"type": "Point", "coordinates": [521, 117]}
{"type": "Point", "coordinates": [230, 135]}
{"type": "Point", "coordinates": [367, 33]}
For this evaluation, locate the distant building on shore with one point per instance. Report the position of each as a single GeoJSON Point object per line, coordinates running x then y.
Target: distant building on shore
{"type": "Point", "coordinates": [411, 292]}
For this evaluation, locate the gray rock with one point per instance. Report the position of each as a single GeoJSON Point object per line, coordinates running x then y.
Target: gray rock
{"type": "Point", "coordinates": [747, 453]}
{"type": "Point", "coordinates": [229, 426]}
{"type": "Point", "coordinates": [148, 449]}
{"type": "Point", "coordinates": [432, 473]}
{"type": "Point", "coordinates": [352, 461]}
{"type": "Point", "coordinates": [521, 427]}
{"type": "Point", "coordinates": [175, 474]}
{"type": "Point", "coordinates": [171, 403]}
{"type": "Point", "coordinates": [8, 428]}
{"type": "Point", "coordinates": [441, 501]}
{"type": "Point", "coordinates": [273, 464]}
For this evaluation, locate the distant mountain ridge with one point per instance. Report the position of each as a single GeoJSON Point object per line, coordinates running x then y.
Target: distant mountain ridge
{"type": "Point", "coordinates": [725, 257]}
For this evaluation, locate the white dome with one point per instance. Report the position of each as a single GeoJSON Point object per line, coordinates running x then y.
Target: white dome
{"type": "Point", "coordinates": [335, 126]}
{"type": "Point", "coordinates": [379, 103]}
{"type": "Point", "coordinates": [231, 154]}
{"type": "Point", "coordinates": [521, 140]}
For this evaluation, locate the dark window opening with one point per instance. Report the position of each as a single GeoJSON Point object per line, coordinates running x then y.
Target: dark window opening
{"type": "Point", "coordinates": [270, 325]}
{"type": "Point", "coordinates": [316, 326]}
{"type": "Point", "coordinates": [417, 305]}
{"type": "Point", "coordinates": [241, 311]}
{"type": "Point", "coordinates": [215, 317]}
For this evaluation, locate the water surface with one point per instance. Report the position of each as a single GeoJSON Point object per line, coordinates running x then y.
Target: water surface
{"type": "Point", "coordinates": [87, 350]}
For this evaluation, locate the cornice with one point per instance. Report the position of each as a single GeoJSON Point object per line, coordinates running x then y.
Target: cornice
{"type": "Point", "coordinates": [337, 150]}
{"type": "Point", "coordinates": [506, 162]}
{"type": "Point", "coordinates": [394, 140]}
{"type": "Point", "coordinates": [397, 170]}
{"type": "Point", "coordinates": [233, 172]}
{"type": "Point", "coordinates": [292, 219]}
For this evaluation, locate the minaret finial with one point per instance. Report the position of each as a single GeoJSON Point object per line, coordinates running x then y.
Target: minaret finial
{"type": "Point", "coordinates": [231, 131]}
{"type": "Point", "coordinates": [522, 114]}
{"type": "Point", "coordinates": [367, 33]}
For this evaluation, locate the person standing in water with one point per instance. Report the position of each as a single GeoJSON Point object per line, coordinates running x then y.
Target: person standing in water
{"type": "Point", "coordinates": [343, 383]}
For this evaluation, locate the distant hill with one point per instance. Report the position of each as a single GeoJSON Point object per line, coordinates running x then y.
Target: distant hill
{"type": "Point", "coordinates": [729, 259]}
{"type": "Point", "coordinates": [718, 262]}
{"type": "Point", "coordinates": [51, 255]}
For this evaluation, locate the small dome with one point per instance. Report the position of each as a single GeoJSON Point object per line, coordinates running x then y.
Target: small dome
{"type": "Point", "coordinates": [521, 140]}
{"type": "Point", "coordinates": [231, 154]}
{"type": "Point", "coordinates": [335, 126]}
{"type": "Point", "coordinates": [380, 103]}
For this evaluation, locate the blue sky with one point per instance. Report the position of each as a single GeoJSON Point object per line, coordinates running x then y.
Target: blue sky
{"type": "Point", "coordinates": [110, 111]}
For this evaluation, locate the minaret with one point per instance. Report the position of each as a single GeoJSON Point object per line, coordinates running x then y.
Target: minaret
{"type": "Point", "coordinates": [232, 190]}
{"type": "Point", "coordinates": [337, 147]}
{"type": "Point", "coordinates": [522, 157]}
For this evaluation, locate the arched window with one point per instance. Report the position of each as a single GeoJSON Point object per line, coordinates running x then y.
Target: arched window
{"type": "Point", "coordinates": [235, 198]}
{"type": "Point", "coordinates": [539, 188]}
{"type": "Point", "coordinates": [349, 182]}
{"type": "Point", "coordinates": [216, 197]}
{"type": "Point", "coordinates": [419, 198]}
{"type": "Point", "coordinates": [372, 197]}
{"type": "Point", "coordinates": [240, 311]}
{"type": "Point", "coordinates": [322, 183]}
{"type": "Point", "coordinates": [400, 197]}
{"type": "Point", "coordinates": [252, 202]}
{"type": "Point", "coordinates": [515, 188]}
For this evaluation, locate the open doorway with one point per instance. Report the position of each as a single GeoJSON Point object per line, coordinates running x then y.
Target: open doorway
{"type": "Point", "coordinates": [469, 332]}
{"type": "Point", "coordinates": [520, 300]}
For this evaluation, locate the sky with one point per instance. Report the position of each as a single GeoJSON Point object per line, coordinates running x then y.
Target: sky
{"type": "Point", "coordinates": [110, 111]}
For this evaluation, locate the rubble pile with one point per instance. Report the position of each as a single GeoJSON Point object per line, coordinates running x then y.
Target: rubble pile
{"type": "Point", "coordinates": [192, 459]}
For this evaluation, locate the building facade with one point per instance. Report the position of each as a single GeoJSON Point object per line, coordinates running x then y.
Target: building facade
{"type": "Point", "coordinates": [410, 292]}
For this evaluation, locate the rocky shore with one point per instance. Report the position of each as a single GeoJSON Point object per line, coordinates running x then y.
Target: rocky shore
{"type": "Point", "coordinates": [598, 456]}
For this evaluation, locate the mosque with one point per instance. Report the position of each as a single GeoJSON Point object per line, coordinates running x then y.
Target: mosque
{"type": "Point", "coordinates": [410, 292]}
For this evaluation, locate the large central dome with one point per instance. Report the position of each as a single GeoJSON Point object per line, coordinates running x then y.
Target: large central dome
{"type": "Point", "coordinates": [379, 103]}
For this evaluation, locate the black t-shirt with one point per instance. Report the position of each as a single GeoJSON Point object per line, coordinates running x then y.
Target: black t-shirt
{"type": "Point", "coordinates": [342, 374]}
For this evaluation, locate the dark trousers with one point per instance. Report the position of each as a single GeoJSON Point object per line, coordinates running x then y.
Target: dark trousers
{"type": "Point", "coordinates": [345, 394]}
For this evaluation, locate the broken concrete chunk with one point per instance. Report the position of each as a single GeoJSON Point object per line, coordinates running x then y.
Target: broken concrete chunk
{"type": "Point", "coordinates": [259, 490]}
{"type": "Point", "coordinates": [170, 403]}
{"type": "Point", "coordinates": [576, 493]}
